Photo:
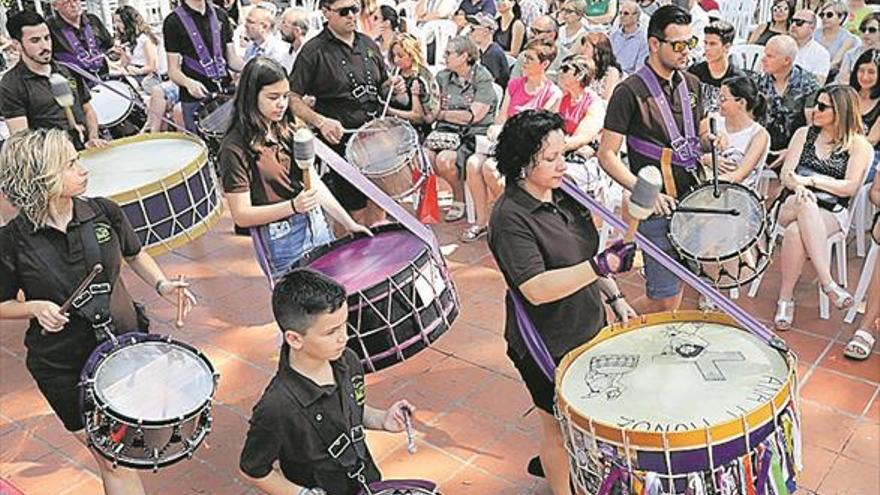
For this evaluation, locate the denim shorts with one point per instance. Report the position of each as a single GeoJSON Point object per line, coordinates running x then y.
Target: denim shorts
{"type": "Point", "coordinates": [660, 282]}
{"type": "Point", "coordinates": [284, 242]}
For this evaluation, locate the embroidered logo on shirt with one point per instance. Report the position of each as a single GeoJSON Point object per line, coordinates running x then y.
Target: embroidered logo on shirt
{"type": "Point", "coordinates": [103, 233]}
{"type": "Point", "coordinates": [360, 394]}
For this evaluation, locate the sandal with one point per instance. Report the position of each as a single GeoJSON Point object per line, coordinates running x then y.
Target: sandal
{"type": "Point", "coordinates": [784, 314]}
{"type": "Point", "coordinates": [455, 212]}
{"type": "Point", "coordinates": [860, 345]}
{"type": "Point", "coordinates": [473, 233]}
{"type": "Point", "coordinates": [842, 299]}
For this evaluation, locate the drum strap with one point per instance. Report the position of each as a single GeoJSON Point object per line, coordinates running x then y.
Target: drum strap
{"type": "Point", "coordinates": [534, 343]}
{"type": "Point", "coordinates": [209, 64]}
{"type": "Point", "coordinates": [89, 58]}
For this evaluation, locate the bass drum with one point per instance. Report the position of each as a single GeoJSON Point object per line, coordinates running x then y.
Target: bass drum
{"type": "Point", "coordinates": [116, 110]}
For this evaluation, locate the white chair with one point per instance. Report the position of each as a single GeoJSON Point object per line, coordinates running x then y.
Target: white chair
{"type": "Point", "coordinates": [739, 14]}
{"type": "Point", "coordinates": [864, 282]}
{"type": "Point", "coordinates": [747, 57]}
{"type": "Point", "coordinates": [862, 218]}
{"type": "Point", "coordinates": [836, 245]}
{"type": "Point", "coordinates": [439, 31]}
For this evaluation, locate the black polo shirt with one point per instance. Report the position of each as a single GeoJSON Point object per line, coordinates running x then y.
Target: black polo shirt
{"type": "Point", "coordinates": [270, 176]}
{"type": "Point", "coordinates": [632, 112]}
{"type": "Point", "coordinates": [59, 42]}
{"type": "Point", "coordinates": [528, 237]}
{"type": "Point", "coordinates": [177, 41]}
{"type": "Point", "coordinates": [24, 93]}
{"type": "Point", "coordinates": [293, 418]}
{"type": "Point", "coordinates": [22, 268]}
{"type": "Point", "coordinates": [331, 71]}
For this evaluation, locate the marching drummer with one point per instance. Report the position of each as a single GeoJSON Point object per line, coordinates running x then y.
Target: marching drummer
{"type": "Point", "coordinates": [312, 416]}
{"type": "Point", "coordinates": [46, 251]}
{"type": "Point", "coordinates": [79, 38]}
{"type": "Point", "coordinates": [26, 97]}
{"type": "Point", "coordinates": [264, 186]}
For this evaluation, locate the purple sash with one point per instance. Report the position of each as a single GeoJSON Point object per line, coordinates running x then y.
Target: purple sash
{"type": "Point", "coordinates": [534, 344]}
{"type": "Point", "coordinates": [91, 58]}
{"type": "Point", "coordinates": [685, 150]}
{"type": "Point", "coordinates": [212, 67]}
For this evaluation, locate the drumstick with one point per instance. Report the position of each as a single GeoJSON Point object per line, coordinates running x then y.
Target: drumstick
{"type": "Point", "coordinates": [98, 268]}
{"type": "Point", "coordinates": [410, 437]}
{"type": "Point", "coordinates": [390, 94]}
{"type": "Point", "coordinates": [708, 211]}
{"type": "Point", "coordinates": [181, 298]}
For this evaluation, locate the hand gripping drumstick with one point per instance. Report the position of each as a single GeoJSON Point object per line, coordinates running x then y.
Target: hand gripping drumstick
{"type": "Point", "coordinates": [181, 298]}
{"type": "Point", "coordinates": [410, 437]}
{"type": "Point", "coordinates": [390, 94]}
{"type": "Point", "coordinates": [98, 268]}
{"type": "Point", "coordinates": [641, 201]}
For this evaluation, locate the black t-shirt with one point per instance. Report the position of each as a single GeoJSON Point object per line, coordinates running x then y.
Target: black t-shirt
{"type": "Point", "coordinates": [528, 237]}
{"type": "Point", "coordinates": [345, 80]}
{"type": "Point", "coordinates": [23, 268]}
{"type": "Point", "coordinates": [271, 176]}
{"type": "Point", "coordinates": [59, 42]}
{"type": "Point", "coordinates": [632, 112]}
{"type": "Point", "coordinates": [24, 93]}
{"type": "Point", "coordinates": [295, 417]}
{"type": "Point", "coordinates": [710, 87]}
{"type": "Point", "coordinates": [495, 60]}
{"type": "Point", "coordinates": [177, 41]}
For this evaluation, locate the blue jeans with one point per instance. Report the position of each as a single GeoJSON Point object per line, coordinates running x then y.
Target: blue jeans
{"type": "Point", "coordinates": [189, 109]}
{"type": "Point", "coordinates": [284, 242]}
{"type": "Point", "coordinates": [660, 282]}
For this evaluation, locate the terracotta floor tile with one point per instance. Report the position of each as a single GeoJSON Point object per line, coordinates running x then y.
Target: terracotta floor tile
{"type": "Point", "coordinates": [873, 413]}
{"type": "Point", "coordinates": [510, 454]}
{"type": "Point", "coordinates": [24, 403]}
{"type": "Point", "coordinates": [838, 391]}
{"type": "Point", "coordinates": [817, 464]}
{"type": "Point", "coordinates": [427, 463]}
{"type": "Point", "coordinates": [470, 480]}
{"type": "Point", "coordinates": [89, 486]}
{"type": "Point", "coordinates": [20, 450]}
{"type": "Point", "coordinates": [479, 281]}
{"type": "Point", "coordinates": [849, 477]}
{"type": "Point", "coordinates": [241, 383]}
{"type": "Point", "coordinates": [463, 433]}
{"type": "Point", "coordinates": [47, 475]}
{"type": "Point", "coordinates": [505, 399]}
{"type": "Point", "coordinates": [824, 427]}
{"type": "Point", "coordinates": [807, 347]}
{"type": "Point", "coordinates": [455, 379]}
{"type": "Point", "coordinates": [222, 447]}
{"type": "Point", "coordinates": [864, 445]}
{"type": "Point", "coordinates": [868, 369]}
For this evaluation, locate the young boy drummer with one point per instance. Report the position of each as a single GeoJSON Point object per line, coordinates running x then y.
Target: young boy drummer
{"type": "Point", "coordinates": [311, 418]}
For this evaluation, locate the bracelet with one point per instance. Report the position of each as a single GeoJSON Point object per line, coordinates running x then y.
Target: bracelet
{"type": "Point", "coordinates": [613, 299]}
{"type": "Point", "coordinates": [159, 284]}
{"type": "Point", "coordinates": [293, 206]}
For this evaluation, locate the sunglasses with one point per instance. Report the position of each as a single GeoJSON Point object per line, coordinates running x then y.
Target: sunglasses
{"type": "Point", "coordinates": [780, 7]}
{"type": "Point", "coordinates": [625, 13]}
{"type": "Point", "coordinates": [871, 30]}
{"type": "Point", "coordinates": [569, 68]}
{"type": "Point", "coordinates": [821, 107]}
{"type": "Point", "coordinates": [679, 46]}
{"type": "Point", "coordinates": [800, 22]}
{"type": "Point", "coordinates": [568, 11]}
{"type": "Point", "coordinates": [828, 15]}
{"type": "Point", "coordinates": [346, 11]}
{"type": "Point", "coordinates": [541, 31]}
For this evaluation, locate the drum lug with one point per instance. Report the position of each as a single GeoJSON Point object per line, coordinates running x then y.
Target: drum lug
{"type": "Point", "coordinates": [175, 432]}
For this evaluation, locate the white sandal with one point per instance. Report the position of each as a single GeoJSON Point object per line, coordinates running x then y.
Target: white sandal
{"type": "Point", "coordinates": [860, 345]}
{"type": "Point", "coordinates": [784, 314]}
{"type": "Point", "coordinates": [841, 298]}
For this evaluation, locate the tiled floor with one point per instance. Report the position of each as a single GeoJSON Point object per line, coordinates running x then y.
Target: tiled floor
{"type": "Point", "coordinates": [475, 427]}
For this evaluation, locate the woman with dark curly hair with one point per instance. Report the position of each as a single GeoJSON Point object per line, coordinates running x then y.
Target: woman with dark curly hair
{"type": "Point", "coordinates": [546, 246]}
{"type": "Point", "coordinates": [139, 50]}
{"type": "Point", "coordinates": [597, 47]}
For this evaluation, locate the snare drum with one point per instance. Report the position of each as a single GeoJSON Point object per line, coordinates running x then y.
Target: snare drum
{"type": "Point", "coordinates": [213, 119]}
{"type": "Point", "coordinates": [726, 250]}
{"type": "Point", "coordinates": [163, 183]}
{"type": "Point", "coordinates": [113, 101]}
{"type": "Point", "coordinates": [387, 152]}
{"type": "Point", "coordinates": [400, 295]}
{"type": "Point", "coordinates": [146, 400]}
{"type": "Point", "coordinates": [678, 400]}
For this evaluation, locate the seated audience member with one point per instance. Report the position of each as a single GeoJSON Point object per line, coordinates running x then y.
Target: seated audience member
{"type": "Point", "coordinates": [467, 108]}
{"type": "Point", "coordinates": [597, 47]}
{"type": "Point", "coordinates": [138, 50]}
{"type": "Point", "coordinates": [534, 91]}
{"type": "Point", "coordinates": [583, 112]}
{"type": "Point", "coordinates": [811, 56]}
{"type": "Point", "coordinates": [317, 391]}
{"type": "Point", "coordinates": [511, 32]}
{"type": "Point", "coordinates": [422, 94]}
{"type": "Point", "coordinates": [369, 19]}
{"type": "Point", "coordinates": [492, 56]}
{"type": "Point", "coordinates": [780, 21]}
{"type": "Point", "coordinates": [259, 24]}
{"type": "Point", "coordinates": [837, 40]}
{"type": "Point", "coordinates": [544, 28]}
{"type": "Point", "coordinates": [600, 12]}
{"type": "Point", "coordinates": [471, 7]}
{"type": "Point", "coordinates": [571, 23]}
{"type": "Point", "coordinates": [790, 91]}
{"type": "Point", "coordinates": [862, 342]}
{"type": "Point", "coordinates": [865, 79]}
{"type": "Point", "coordinates": [870, 40]}
{"type": "Point", "coordinates": [389, 26]}
{"type": "Point", "coordinates": [531, 10]}
{"type": "Point", "coordinates": [629, 40]}
{"type": "Point", "coordinates": [747, 143]}
{"type": "Point", "coordinates": [823, 170]}
{"type": "Point", "coordinates": [294, 28]}
{"type": "Point", "coordinates": [717, 39]}
{"type": "Point", "coordinates": [432, 10]}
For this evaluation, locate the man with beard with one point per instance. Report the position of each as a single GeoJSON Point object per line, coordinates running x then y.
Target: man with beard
{"type": "Point", "coordinates": [79, 39]}
{"type": "Point", "coordinates": [259, 23]}
{"type": "Point", "coordinates": [26, 99]}
{"type": "Point", "coordinates": [294, 29]}
{"type": "Point", "coordinates": [630, 116]}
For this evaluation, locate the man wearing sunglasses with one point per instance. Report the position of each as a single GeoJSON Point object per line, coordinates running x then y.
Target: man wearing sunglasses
{"type": "Point", "coordinates": [812, 56]}
{"type": "Point", "coordinates": [345, 72]}
{"type": "Point", "coordinates": [635, 114]}
{"type": "Point", "coordinates": [544, 28]}
{"type": "Point", "coordinates": [628, 40]}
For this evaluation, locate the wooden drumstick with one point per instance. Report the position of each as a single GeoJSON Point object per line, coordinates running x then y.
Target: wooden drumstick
{"type": "Point", "coordinates": [181, 299]}
{"type": "Point", "coordinates": [410, 436]}
{"type": "Point", "coordinates": [98, 268]}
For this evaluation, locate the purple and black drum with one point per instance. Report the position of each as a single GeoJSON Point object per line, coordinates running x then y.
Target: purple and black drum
{"type": "Point", "coordinates": [400, 295]}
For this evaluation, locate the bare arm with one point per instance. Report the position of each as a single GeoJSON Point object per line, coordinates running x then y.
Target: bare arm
{"type": "Point", "coordinates": [588, 128]}
{"type": "Point", "coordinates": [501, 116]}
{"type": "Point", "coordinates": [247, 215]}
{"type": "Point", "coordinates": [612, 77]}
{"type": "Point", "coordinates": [16, 124]}
{"type": "Point", "coordinates": [557, 284]}
{"type": "Point", "coordinates": [234, 62]}
{"type": "Point", "coordinates": [609, 159]}
{"type": "Point", "coordinates": [463, 117]}
{"type": "Point", "coordinates": [302, 110]}
{"type": "Point", "coordinates": [146, 268]}
{"type": "Point", "coordinates": [873, 134]}
{"type": "Point", "coordinates": [860, 156]}
{"type": "Point", "coordinates": [152, 55]}
{"type": "Point", "coordinates": [517, 38]}
{"type": "Point", "coordinates": [91, 122]}
{"type": "Point", "coordinates": [874, 193]}
{"type": "Point", "coordinates": [792, 157]}
{"type": "Point", "coordinates": [753, 38]}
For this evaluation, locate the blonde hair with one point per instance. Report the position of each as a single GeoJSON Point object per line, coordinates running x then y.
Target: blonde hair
{"type": "Point", "coordinates": [410, 46]}
{"type": "Point", "coordinates": [31, 163]}
{"type": "Point", "coordinates": [847, 115]}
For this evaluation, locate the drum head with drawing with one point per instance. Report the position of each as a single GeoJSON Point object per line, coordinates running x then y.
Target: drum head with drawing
{"type": "Point", "coordinates": [675, 376]}
{"type": "Point", "coordinates": [131, 165]}
{"type": "Point", "coordinates": [153, 381]}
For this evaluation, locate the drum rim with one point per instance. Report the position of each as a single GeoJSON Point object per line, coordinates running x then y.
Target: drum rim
{"type": "Point", "coordinates": [761, 231]}
{"type": "Point", "coordinates": [677, 440]}
{"type": "Point", "coordinates": [402, 164]}
{"type": "Point", "coordinates": [132, 339]}
{"type": "Point", "coordinates": [127, 112]}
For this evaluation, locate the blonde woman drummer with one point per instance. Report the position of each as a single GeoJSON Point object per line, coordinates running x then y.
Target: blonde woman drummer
{"type": "Point", "coordinates": [263, 185]}
{"type": "Point", "coordinates": [45, 251]}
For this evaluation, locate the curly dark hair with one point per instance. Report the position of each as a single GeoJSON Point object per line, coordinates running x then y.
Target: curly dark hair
{"type": "Point", "coordinates": [603, 54]}
{"type": "Point", "coordinates": [134, 25]}
{"type": "Point", "coordinates": [521, 139]}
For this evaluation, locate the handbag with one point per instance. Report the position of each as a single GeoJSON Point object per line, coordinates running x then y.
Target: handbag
{"type": "Point", "coordinates": [442, 140]}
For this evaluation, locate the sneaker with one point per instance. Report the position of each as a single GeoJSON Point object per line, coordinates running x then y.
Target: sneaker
{"type": "Point", "coordinates": [474, 233]}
